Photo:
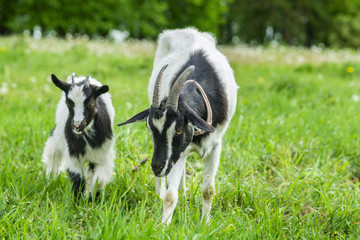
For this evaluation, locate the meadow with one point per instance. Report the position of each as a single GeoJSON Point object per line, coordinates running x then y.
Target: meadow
{"type": "Point", "coordinates": [290, 163]}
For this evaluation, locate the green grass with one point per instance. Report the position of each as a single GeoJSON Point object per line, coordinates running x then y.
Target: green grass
{"type": "Point", "coordinates": [290, 164]}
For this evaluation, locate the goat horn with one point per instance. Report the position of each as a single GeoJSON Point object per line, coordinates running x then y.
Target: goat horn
{"type": "Point", "coordinates": [174, 93]}
{"type": "Point", "coordinates": [156, 96]}
{"type": "Point", "coordinates": [87, 79]}
{"type": "Point", "coordinates": [72, 79]}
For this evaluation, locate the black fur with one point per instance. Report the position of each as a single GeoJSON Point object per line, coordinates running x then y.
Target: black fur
{"type": "Point", "coordinates": [91, 166]}
{"type": "Point", "coordinates": [206, 76]}
{"type": "Point", "coordinates": [94, 111]}
{"type": "Point", "coordinates": [102, 126]}
{"type": "Point", "coordinates": [179, 144]}
{"type": "Point", "coordinates": [160, 139]}
{"type": "Point", "coordinates": [78, 183]}
{"type": "Point", "coordinates": [191, 108]}
{"type": "Point", "coordinates": [97, 135]}
{"type": "Point", "coordinates": [76, 143]}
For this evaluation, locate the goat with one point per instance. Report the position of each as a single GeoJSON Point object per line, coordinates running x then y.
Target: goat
{"type": "Point", "coordinates": [198, 84]}
{"type": "Point", "coordinates": [83, 133]}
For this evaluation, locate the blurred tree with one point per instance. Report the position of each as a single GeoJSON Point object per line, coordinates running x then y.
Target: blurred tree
{"type": "Point", "coordinates": [299, 22]}
{"type": "Point", "coordinates": [296, 22]}
{"type": "Point", "coordinates": [140, 18]}
{"type": "Point", "coordinates": [7, 11]}
{"type": "Point", "coordinates": [347, 26]}
{"type": "Point", "coordinates": [146, 18]}
{"type": "Point", "coordinates": [206, 15]}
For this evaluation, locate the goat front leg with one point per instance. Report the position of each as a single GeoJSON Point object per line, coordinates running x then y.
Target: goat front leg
{"type": "Point", "coordinates": [160, 186]}
{"type": "Point", "coordinates": [75, 172]}
{"type": "Point", "coordinates": [171, 194]}
{"type": "Point", "coordinates": [211, 165]}
{"type": "Point", "coordinates": [98, 175]}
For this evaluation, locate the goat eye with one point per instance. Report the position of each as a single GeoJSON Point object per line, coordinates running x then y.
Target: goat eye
{"type": "Point", "coordinates": [179, 132]}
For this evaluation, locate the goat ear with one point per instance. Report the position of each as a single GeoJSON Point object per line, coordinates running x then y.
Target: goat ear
{"type": "Point", "coordinates": [60, 84]}
{"type": "Point", "coordinates": [101, 90]}
{"type": "Point", "coordinates": [138, 117]}
{"type": "Point", "coordinates": [198, 121]}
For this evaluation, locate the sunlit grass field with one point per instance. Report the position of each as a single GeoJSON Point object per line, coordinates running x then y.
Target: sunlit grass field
{"type": "Point", "coordinates": [290, 164]}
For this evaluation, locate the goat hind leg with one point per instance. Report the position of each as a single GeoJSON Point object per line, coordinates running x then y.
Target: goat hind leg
{"type": "Point", "coordinates": [52, 158]}
{"type": "Point", "coordinates": [183, 180]}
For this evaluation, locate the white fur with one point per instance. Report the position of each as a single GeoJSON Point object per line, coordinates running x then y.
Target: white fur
{"type": "Point", "coordinates": [56, 155]}
{"type": "Point", "coordinates": [170, 133]}
{"type": "Point", "coordinates": [78, 97]}
{"type": "Point", "coordinates": [174, 48]}
{"type": "Point", "coordinates": [159, 123]}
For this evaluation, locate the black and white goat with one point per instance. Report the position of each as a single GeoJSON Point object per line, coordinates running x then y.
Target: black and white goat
{"type": "Point", "coordinates": [83, 133]}
{"type": "Point", "coordinates": [193, 97]}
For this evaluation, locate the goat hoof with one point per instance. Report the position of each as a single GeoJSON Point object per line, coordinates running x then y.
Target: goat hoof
{"type": "Point", "coordinates": [97, 197]}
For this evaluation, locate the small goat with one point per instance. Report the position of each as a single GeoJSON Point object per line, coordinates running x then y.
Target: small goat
{"type": "Point", "coordinates": [83, 133]}
{"type": "Point", "coordinates": [192, 102]}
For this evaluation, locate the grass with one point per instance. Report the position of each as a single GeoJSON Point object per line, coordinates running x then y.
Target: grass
{"type": "Point", "coordinates": [290, 164]}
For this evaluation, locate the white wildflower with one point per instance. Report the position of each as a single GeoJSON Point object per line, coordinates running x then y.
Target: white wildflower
{"type": "Point", "coordinates": [4, 88]}
{"type": "Point", "coordinates": [355, 98]}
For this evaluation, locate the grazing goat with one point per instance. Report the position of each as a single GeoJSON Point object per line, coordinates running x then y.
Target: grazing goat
{"type": "Point", "coordinates": [83, 133]}
{"type": "Point", "coordinates": [193, 97]}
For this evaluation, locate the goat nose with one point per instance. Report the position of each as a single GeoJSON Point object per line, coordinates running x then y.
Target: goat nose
{"type": "Point", "coordinates": [157, 168]}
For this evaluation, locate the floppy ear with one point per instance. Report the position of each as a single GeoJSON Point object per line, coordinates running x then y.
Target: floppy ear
{"type": "Point", "coordinates": [60, 84]}
{"type": "Point", "coordinates": [138, 117]}
{"type": "Point", "coordinates": [101, 90]}
{"type": "Point", "coordinates": [198, 121]}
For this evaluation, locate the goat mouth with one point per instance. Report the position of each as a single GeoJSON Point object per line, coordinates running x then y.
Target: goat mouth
{"type": "Point", "coordinates": [76, 131]}
{"type": "Point", "coordinates": [161, 173]}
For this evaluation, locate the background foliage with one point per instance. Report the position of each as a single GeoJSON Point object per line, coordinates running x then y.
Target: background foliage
{"type": "Point", "coordinates": [299, 22]}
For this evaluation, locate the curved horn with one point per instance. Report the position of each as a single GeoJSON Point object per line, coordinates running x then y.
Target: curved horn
{"type": "Point", "coordinates": [156, 96]}
{"type": "Point", "coordinates": [174, 93]}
